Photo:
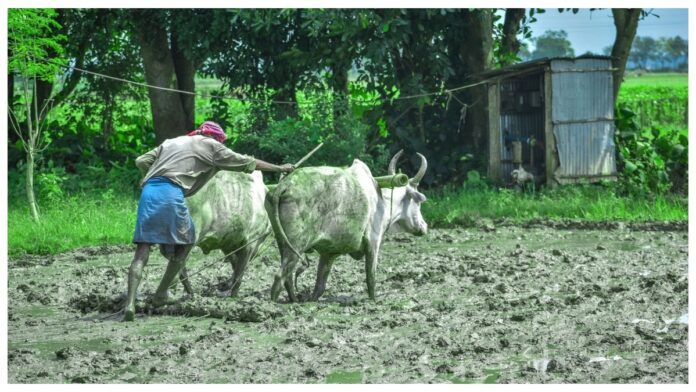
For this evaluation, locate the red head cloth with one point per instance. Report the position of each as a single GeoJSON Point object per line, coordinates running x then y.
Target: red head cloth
{"type": "Point", "coordinates": [212, 129]}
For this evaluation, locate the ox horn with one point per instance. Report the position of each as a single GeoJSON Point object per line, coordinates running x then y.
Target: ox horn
{"type": "Point", "coordinates": [392, 164]}
{"type": "Point", "coordinates": [421, 171]}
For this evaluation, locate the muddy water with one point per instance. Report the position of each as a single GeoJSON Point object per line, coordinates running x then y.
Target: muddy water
{"type": "Point", "coordinates": [500, 305]}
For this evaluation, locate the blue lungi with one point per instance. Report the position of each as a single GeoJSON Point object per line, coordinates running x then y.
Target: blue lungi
{"type": "Point", "coordinates": [163, 217]}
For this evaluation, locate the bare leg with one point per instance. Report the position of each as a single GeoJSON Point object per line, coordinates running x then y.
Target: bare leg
{"type": "Point", "coordinates": [325, 264]}
{"type": "Point", "coordinates": [183, 277]}
{"type": "Point", "coordinates": [142, 253]}
{"type": "Point", "coordinates": [173, 267]}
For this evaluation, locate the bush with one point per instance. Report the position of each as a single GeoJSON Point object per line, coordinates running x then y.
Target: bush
{"type": "Point", "coordinates": [650, 161]}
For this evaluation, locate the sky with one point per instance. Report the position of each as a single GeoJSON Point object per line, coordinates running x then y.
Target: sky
{"type": "Point", "coordinates": [594, 30]}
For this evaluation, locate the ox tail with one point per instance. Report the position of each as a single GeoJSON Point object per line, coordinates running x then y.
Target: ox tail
{"type": "Point", "coordinates": [276, 217]}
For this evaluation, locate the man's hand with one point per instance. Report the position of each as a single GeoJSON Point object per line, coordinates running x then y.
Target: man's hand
{"type": "Point", "coordinates": [287, 168]}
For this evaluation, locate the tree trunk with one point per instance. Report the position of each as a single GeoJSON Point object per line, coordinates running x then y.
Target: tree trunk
{"type": "Point", "coordinates": [11, 136]}
{"type": "Point", "coordinates": [476, 53]}
{"type": "Point", "coordinates": [168, 114]}
{"type": "Point", "coordinates": [29, 184]}
{"type": "Point", "coordinates": [185, 77]}
{"type": "Point", "coordinates": [40, 108]}
{"type": "Point", "coordinates": [339, 84]}
{"type": "Point", "coordinates": [626, 22]}
{"type": "Point", "coordinates": [509, 42]}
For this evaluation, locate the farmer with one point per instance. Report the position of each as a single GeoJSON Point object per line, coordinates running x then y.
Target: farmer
{"type": "Point", "coordinates": [178, 168]}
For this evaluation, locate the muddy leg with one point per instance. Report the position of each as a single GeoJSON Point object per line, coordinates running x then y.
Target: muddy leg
{"type": "Point", "coordinates": [142, 254]}
{"type": "Point", "coordinates": [287, 265]}
{"type": "Point", "coordinates": [173, 267]}
{"type": "Point", "coordinates": [183, 277]}
{"type": "Point", "coordinates": [371, 253]}
{"type": "Point", "coordinates": [289, 282]}
{"type": "Point", "coordinates": [239, 264]}
{"type": "Point", "coordinates": [325, 264]}
{"type": "Point", "coordinates": [303, 266]}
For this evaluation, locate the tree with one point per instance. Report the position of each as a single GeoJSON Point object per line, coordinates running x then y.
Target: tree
{"type": "Point", "coordinates": [553, 44]}
{"type": "Point", "coordinates": [30, 40]}
{"type": "Point", "coordinates": [643, 50]}
{"type": "Point", "coordinates": [168, 66]}
{"type": "Point", "coordinates": [626, 23]}
{"type": "Point", "coordinates": [677, 48]}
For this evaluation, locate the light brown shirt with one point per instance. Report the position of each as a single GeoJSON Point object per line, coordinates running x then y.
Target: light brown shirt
{"type": "Point", "coordinates": [190, 161]}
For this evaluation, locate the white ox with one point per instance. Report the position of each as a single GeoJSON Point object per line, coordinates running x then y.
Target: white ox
{"type": "Point", "coordinates": [228, 214]}
{"type": "Point", "coordinates": [338, 211]}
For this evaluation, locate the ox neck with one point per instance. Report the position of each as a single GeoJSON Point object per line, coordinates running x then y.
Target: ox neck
{"type": "Point", "coordinates": [392, 198]}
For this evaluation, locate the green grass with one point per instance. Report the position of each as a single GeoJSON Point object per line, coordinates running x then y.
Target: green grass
{"type": "Point", "coordinates": [656, 79]}
{"type": "Point", "coordinates": [450, 207]}
{"type": "Point", "coordinates": [96, 219]}
{"type": "Point", "coordinates": [77, 221]}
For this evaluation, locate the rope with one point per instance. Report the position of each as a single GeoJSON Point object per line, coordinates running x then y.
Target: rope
{"type": "Point", "coordinates": [174, 90]}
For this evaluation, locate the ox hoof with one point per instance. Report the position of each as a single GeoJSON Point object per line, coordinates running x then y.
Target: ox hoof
{"type": "Point", "coordinates": [161, 300]}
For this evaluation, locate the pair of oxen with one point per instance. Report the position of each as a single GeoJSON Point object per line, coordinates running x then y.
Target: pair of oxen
{"type": "Point", "coordinates": [330, 210]}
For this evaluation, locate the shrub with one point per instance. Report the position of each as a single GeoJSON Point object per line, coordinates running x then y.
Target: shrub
{"type": "Point", "coordinates": [649, 161]}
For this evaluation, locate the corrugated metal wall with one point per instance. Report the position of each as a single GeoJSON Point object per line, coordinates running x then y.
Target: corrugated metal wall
{"type": "Point", "coordinates": [521, 117]}
{"type": "Point", "coordinates": [582, 118]}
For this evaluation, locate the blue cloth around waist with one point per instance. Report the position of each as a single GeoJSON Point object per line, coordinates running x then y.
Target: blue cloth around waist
{"type": "Point", "coordinates": [163, 217]}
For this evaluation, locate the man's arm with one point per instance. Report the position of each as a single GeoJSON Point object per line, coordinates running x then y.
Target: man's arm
{"type": "Point", "coordinates": [146, 160]}
{"type": "Point", "coordinates": [226, 159]}
{"type": "Point", "coordinates": [265, 166]}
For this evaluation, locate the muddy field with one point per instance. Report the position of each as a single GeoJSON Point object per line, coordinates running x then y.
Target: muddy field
{"type": "Point", "coordinates": [480, 305]}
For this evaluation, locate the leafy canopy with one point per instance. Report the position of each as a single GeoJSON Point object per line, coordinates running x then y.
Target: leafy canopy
{"type": "Point", "coordinates": [31, 38]}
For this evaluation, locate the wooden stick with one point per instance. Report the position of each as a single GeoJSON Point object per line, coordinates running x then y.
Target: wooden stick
{"type": "Point", "coordinates": [304, 158]}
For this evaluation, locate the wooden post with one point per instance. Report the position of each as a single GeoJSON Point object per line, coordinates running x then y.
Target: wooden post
{"type": "Point", "coordinates": [494, 132]}
{"type": "Point", "coordinates": [550, 142]}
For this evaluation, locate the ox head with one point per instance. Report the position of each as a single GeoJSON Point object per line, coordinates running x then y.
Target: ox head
{"type": "Point", "coordinates": [407, 200]}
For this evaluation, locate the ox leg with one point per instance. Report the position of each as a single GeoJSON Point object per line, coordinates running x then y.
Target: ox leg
{"type": "Point", "coordinates": [142, 253]}
{"type": "Point", "coordinates": [239, 264]}
{"type": "Point", "coordinates": [371, 254]}
{"type": "Point", "coordinates": [174, 266]}
{"type": "Point", "coordinates": [325, 264]}
{"type": "Point", "coordinates": [288, 262]}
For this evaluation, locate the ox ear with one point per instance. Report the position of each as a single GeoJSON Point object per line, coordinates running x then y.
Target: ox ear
{"type": "Point", "coordinates": [421, 171]}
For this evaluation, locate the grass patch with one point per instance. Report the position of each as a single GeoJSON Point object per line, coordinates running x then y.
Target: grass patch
{"type": "Point", "coordinates": [450, 206]}
{"type": "Point", "coordinates": [108, 218]}
{"type": "Point", "coordinates": [657, 79]}
{"type": "Point", "coordinates": [74, 222]}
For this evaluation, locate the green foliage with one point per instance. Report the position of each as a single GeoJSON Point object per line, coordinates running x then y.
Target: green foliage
{"type": "Point", "coordinates": [653, 161]}
{"type": "Point", "coordinates": [657, 105]}
{"type": "Point", "coordinates": [30, 33]}
{"type": "Point", "coordinates": [450, 205]}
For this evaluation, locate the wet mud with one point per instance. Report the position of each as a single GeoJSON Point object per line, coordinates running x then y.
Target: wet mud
{"type": "Point", "coordinates": [490, 304]}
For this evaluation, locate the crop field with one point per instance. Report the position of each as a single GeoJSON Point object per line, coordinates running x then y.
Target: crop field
{"type": "Point", "coordinates": [659, 100]}
{"type": "Point", "coordinates": [542, 302]}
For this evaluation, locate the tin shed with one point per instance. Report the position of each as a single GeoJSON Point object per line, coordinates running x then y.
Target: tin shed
{"type": "Point", "coordinates": [560, 113]}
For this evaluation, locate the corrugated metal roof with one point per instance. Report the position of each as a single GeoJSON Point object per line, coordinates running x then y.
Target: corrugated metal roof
{"type": "Point", "coordinates": [537, 63]}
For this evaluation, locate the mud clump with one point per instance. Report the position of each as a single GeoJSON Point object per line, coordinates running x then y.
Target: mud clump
{"type": "Point", "coordinates": [534, 304]}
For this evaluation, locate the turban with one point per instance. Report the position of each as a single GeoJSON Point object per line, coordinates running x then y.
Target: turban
{"type": "Point", "coordinates": [211, 129]}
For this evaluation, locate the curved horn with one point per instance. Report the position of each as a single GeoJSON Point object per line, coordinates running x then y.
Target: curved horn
{"type": "Point", "coordinates": [392, 164]}
{"type": "Point", "coordinates": [421, 171]}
